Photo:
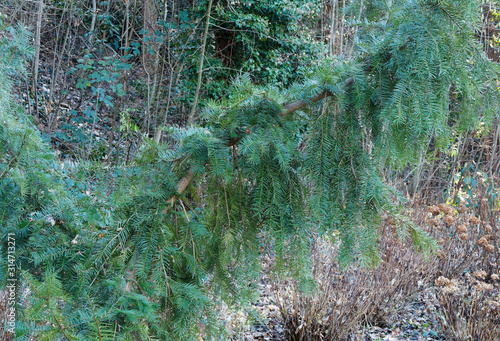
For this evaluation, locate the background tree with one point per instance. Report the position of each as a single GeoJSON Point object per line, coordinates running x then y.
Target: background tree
{"type": "Point", "coordinates": [154, 48]}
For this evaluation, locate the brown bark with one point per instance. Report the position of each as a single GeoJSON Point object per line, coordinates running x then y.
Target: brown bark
{"type": "Point", "coordinates": [181, 187]}
{"type": "Point", "coordinates": [93, 23]}
{"type": "Point", "coordinates": [333, 27]}
{"type": "Point", "coordinates": [150, 19]}
{"type": "Point", "coordinates": [200, 67]}
{"type": "Point", "coordinates": [36, 59]}
{"type": "Point", "coordinates": [342, 26]}
{"type": "Point", "coordinates": [289, 108]}
{"type": "Point", "coordinates": [150, 55]}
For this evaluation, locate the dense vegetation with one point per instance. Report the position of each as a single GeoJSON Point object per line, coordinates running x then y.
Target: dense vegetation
{"type": "Point", "coordinates": [137, 214]}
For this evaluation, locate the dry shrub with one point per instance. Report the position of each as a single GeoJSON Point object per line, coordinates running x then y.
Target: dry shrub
{"type": "Point", "coordinates": [470, 307]}
{"type": "Point", "coordinates": [467, 266]}
{"type": "Point", "coordinates": [347, 299]}
{"type": "Point", "coordinates": [467, 235]}
{"type": "Point", "coordinates": [464, 274]}
{"type": "Point", "coordinates": [4, 309]}
{"type": "Point", "coordinates": [465, 242]}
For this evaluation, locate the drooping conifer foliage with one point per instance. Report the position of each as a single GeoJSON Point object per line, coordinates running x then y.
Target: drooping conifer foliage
{"type": "Point", "coordinates": [149, 250]}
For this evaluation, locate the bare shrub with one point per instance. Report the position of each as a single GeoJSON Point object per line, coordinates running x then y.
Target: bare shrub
{"type": "Point", "coordinates": [464, 239]}
{"type": "Point", "coordinates": [463, 274]}
{"type": "Point", "coordinates": [467, 231]}
{"type": "Point", "coordinates": [470, 307]}
{"type": "Point", "coordinates": [347, 299]}
{"type": "Point", "coordinates": [467, 266]}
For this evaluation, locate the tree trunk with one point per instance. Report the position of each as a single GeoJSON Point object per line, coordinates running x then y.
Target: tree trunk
{"type": "Point", "coordinates": [93, 23]}
{"type": "Point", "coordinates": [36, 60]}
{"type": "Point", "coordinates": [333, 28]}
{"type": "Point", "coordinates": [342, 28]}
{"type": "Point", "coordinates": [200, 68]}
{"type": "Point", "coordinates": [149, 53]}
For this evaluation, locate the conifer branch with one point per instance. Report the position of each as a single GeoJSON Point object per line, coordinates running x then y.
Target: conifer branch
{"type": "Point", "coordinates": [297, 105]}
{"type": "Point", "coordinates": [181, 187]}
{"type": "Point", "coordinates": [289, 108]}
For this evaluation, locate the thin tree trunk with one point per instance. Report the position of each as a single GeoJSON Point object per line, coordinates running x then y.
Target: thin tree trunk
{"type": "Point", "coordinates": [125, 37]}
{"type": "Point", "coordinates": [112, 131]}
{"type": "Point", "coordinates": [333, 28]}
{"type": "Point", "coordinates": [149, 37]}
{"type": "Point", "coordinates": [36, 60]}
{"type": "Point", "coordinates": [93, 23]}
{"type": "Point", "coordinates": [53, 123]}
{"type": "Point", "coordinates": [200, 68]}
{"type": "Point", "coordinates": [342, 28]}
{"type": "Point", "coordinates": [322, 20]}
{"type": "Point", "coordinates": [126, 28]}
{"type": "Point", "coordinates": [158, 131]}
